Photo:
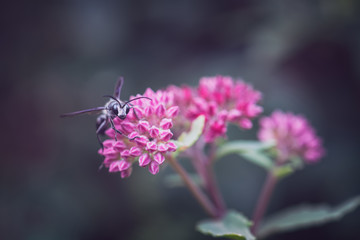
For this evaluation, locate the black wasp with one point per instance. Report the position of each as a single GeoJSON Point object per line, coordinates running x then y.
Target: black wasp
{"type": "Point", "coordinates": [112, 109]}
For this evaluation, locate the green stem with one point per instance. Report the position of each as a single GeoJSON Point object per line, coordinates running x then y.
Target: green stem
{"type": "Point", "coordinates": [263, 201]}
{"type": "Point", "coordinates": [194, 189]}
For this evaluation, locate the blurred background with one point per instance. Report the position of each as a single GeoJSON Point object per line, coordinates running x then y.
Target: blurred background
{"type": "Point", "coordinates": [64, 56]}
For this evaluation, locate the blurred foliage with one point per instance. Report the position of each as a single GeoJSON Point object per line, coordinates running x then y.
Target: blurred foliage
{"type": "Point", "coordinates": [306, 216]}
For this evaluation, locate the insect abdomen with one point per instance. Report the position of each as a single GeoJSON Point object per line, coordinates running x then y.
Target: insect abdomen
{"type": "Point", "coordinates": [101, 121]}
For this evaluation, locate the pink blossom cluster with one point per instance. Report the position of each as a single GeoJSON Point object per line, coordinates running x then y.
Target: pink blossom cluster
{"type": "Point", "coordinates": [221, 100]}
{"type": "Point", "coordinates": [293, 135]}
{"type": "Point", "coordinates": [147, 127]}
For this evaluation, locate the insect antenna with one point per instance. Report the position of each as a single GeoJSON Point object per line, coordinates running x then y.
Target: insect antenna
{"type": "Point", "coordinates": [137, 99]}
{"type": "Point", "coordinates": [114, 98]}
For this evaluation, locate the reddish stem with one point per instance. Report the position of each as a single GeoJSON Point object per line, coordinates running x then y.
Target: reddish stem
{"type": "Point", "coordinates": [204, 167]}
{"type": "Point", "coordinates": [194, 189]}
{"type": "Point", "coordinates": [214, 192]}
{"type": "Point", "coordinates": [263, 201]}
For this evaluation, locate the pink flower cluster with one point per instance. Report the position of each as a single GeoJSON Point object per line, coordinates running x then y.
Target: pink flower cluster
{"type": "Point", "coordinates": [147, 127]}
{"type": "Point", "coordinates": [293, 136]}
{"type": "Point", "coordinates": [221, 100]}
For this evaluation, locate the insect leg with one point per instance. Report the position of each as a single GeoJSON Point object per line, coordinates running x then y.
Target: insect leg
{"type": "Point", "coordinates": [116, 131]}
{"type": "Point", "coordinates": [133, 138]}
{"type": "Point", "coordinates": [132, 107]}
{"type": "Point", "coordinates": [98, 130]}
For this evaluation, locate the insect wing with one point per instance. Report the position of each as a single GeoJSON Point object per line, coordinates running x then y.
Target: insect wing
{"type": "Point", "coordinates": [91, 110]}
{"type": "Point", "coordinates": [118, 86]}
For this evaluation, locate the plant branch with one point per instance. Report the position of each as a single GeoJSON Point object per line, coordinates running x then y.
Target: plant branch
{"type": "Point", "coordinates": [263, 201]}
{"type": "Point", "coordinates": [194, 189]}
{"type": "Point", "coordinates": [214, 192]}
{"type": "Point", "coordinates": [204, 167]}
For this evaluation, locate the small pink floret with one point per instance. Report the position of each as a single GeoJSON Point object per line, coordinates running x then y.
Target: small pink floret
{"type": "Point", "coordinates": [162, 147]}
{"type": "Point", "coordinates": [160, 110]}
{"type": "Point", "coordinates": [138, 112]}
{"type": "Point", "coordinates": [110, 152]}
{"type": "Point", "coordinates": [126, 173]}
{"type": "Point", "coordinates": [133, 135]}
{"type": "Point", "coordinates": [166, 123]}
{"type": "Point", "coordinates": [151, 147]}
{"type": "Point", "coordinates": [171, 146]}
{"type": "Point", "coordinates": [149, 111]}
{"type": "Point", "coordinates": [159, 158]}
{"type": "Point", "coordinates": [166, 135]}
{"type": "Point", "coordinates": [245, 123]}
{"type": "Point", "coordinates": [114, 166]}
{"type": "Point", "coordinates": [144, 160]}
{"type": "Point", "coordinates": [154, 168]}
{"type": "Point", "coordinates": [125, 153]}
{"type": "Point", "coordinates": [154, 132]}
{"type": "Point", "coordinates": [142, 141]}
{"type": "Point", "coordinates": [118, 166]}
{"type": "Point", "coordinates": [143, 126]}
{"type": "Point", "coordinates": [172, 112]}
{"type": "Point", "coordinates": [123, 165]}
{"type": "Point", "coordinates": [135, 151]}
{"type": "Point", "coordinates": [128, 127]}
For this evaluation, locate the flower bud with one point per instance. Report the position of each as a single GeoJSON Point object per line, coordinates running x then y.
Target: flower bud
{"type": "Point", "coordinates": [153, 168]}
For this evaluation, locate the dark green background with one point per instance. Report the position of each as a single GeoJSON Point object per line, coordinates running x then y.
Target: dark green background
{"type": "Point", "coordinates": [59, 57]}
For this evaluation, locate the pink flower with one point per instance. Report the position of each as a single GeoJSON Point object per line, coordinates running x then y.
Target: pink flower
{"type": "Point", "coordinates": [148, 130]}
{"type": "Point", "coordinates": [221, 100]}
{"type": "Point", "coordinates": [293, 136]}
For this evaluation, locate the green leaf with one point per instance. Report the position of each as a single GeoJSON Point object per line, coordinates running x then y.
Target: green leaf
{"type": "Point", "coordinates": [233, 225]}
{"type": "Point", "coordinates": [259, 159]}
{"type": "Point", "coordinates": [241, 146]}
{"type": "Point", "coordinates": [187, 139]}
{"type": "Point", "coordinates": [305, 216]}
{"type": "Point", "coordinates": [174, 180]}
{"type": "Point", "coordinates": [250, 150]}
{"type": "Point", "coordinates": [283, 171]}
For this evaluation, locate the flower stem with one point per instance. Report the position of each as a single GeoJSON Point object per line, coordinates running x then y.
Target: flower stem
{"type": "Point", "coordinates": [263, 201]}
{"type": "Point", "coordinates": [214, 192]}
{"type": "Point", "coordinates": [213, 186]}
{"type": "Point", "coordinates": [194, 189]}
{"type": "Point", "coordinates": [204, 166]}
